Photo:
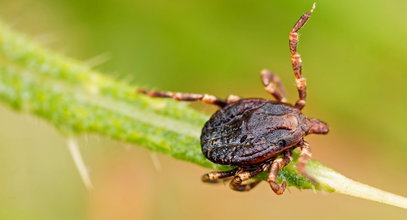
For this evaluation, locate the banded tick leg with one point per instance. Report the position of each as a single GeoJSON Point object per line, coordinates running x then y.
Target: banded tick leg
{"type": "Point", "coordinates": [237, 182]}
{"type": "Point", "coordinates": [215, 176]}
{"type": "Point", "coordinates": [305, 155]}
{"type": "Point", "coordinates": [189, 97]}
{"type": "Point", "coordinates": [296, 59]}
{"type": "Point", "coordinates": [272, 84]}
{"type": "Point", "coordinates": [275, 167]}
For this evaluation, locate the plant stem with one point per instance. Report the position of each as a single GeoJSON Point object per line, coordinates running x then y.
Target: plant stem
{"type": "Point", "coordinates": [76, 99]}
{"type": "Point", "coordinates": [344, 185]}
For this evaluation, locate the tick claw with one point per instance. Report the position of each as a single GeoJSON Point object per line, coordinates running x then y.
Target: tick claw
{"type": "Point", "coordinates": [278, 189]}
{"type": "Point", "coordinates": [284, 185]}
{"type": "Point", "coordinates": [205, 178]}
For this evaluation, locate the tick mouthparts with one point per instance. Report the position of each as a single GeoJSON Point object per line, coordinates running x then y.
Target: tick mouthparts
{"type": "Point", "coordinates": [317, 127]}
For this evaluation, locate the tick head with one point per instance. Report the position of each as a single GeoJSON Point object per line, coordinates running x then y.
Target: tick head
{"type": "Point", "coordinates": [317, 127]}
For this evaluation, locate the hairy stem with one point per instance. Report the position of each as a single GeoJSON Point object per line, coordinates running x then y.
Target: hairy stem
{"type": "Point", "coordinates": [76, 99]}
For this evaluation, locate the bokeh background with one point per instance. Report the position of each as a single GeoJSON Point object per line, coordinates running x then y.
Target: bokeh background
{"type": "Point", "coordinates": [354, 60]}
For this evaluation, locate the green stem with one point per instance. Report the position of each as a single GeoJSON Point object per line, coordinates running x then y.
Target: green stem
{"type": "Point", "coordinates": [76, 99]}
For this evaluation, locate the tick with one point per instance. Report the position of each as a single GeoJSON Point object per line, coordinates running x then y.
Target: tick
{"type": "Point", "coordinates": [255, 134]}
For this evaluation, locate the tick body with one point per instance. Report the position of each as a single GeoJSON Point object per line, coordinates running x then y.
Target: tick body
{"type": "Point", "coordinates": [252, 131]}
{"type": "Point", "coordinates": [257, 135]}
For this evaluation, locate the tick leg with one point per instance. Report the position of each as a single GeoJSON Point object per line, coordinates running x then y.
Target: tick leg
{"type": "Point", "coordinates": [275, 167]}
{"type": "Point", "coordinates": [189, 97]}
{"type": "Point", "coordinates": [215, 176]}
{"type": "Point", "coordinates": [232, 98]}
{"type": "Point", "coordinates": [305, 155]}
{"type": "Point", "coordinates": [296, 59]}
{"type": "Point", "coordinates": [238, 186]}
{"type": "Point", "coordinates": [236, 183]}
{"type": "Point", "coordinates": [273, 85]}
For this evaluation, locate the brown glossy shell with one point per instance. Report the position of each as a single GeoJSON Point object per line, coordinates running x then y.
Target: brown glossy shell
{"type": "Point", "coordinates": [251, 131]}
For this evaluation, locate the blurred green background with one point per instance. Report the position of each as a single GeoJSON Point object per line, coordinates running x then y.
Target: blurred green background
{"type": "Point", "coordinates": [354, 61]}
